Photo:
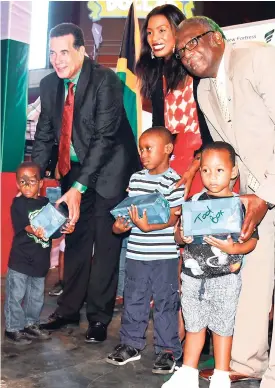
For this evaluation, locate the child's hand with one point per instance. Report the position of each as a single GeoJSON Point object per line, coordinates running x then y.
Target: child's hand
{"type": "Point", "coordinates": [141, 223]}
{"type": "Point", "coordinates": [121, 225]}
{"type": "Point", "coordinates": [187, 239]}
{"type": "Point", "coordinates": [227, 246]}
{"type": "Point", "coordinates": [178, 232]}
{"type": "Point", "coordinates": [39, 232]}
{"type": "Point", "coordinates": [67, 228]}
{"type": "Point", "coordinates": [179, 236]}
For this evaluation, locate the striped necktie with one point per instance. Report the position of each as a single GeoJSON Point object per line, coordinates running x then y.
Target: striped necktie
{"type": "Point", "coordinates": [223, 102]}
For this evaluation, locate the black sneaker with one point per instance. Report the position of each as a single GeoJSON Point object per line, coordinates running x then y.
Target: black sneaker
{"type": "Point", "coordinates": [34, 332]}
{"type": "Point", "coordinates": [17, 337]}
{"type": "Point", "coordinates": [165, 363]}
{"type": "Point", "coordinates": [123, 354]}
{"type": "Point", "coordinates": [57, 289]}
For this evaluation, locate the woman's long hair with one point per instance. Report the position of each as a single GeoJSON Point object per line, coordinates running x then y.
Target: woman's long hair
{"type": "Point", "coordinates": [149, 70]}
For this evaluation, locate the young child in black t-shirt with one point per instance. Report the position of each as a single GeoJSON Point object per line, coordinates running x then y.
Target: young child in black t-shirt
{"type": "Point", "coordinates": [211, 278]}
{"type": "Point", "coordinates": [29, 261]}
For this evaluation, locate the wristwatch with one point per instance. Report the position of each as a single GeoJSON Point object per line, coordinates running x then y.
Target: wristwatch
{"type": "Point", "coordinates": [270, 205]}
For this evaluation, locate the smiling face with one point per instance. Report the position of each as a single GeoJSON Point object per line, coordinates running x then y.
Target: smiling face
{"type": "Point", "coordinates": [161, 36]}
{"type": "Point", "coordinates": [204, 60]}
{"type": "Point", "coordinates": [65, 58]}
{"type": "Point", "coordinates": [154, 152]}
{"type": "Point", "coordinates": [29, 182]}
{"type": "Point", "coordinates": [217, 170]}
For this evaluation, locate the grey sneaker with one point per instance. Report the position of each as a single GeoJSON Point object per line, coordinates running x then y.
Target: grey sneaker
{"type": "Point", "coordinates": [57, 289]}
{"type": "Point", "coordinates": [17, 337]}
{"type": "Point", "coordinates": [34, 332]}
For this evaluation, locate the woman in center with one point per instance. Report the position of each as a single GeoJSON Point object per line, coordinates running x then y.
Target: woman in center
{"type": "Point", "coordinates": [172, 92]}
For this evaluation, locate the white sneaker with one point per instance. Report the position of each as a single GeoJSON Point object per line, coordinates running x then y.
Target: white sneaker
{"type": "Point", "coordinates": [220, 379]}
{"type": "Point", "coordinates": [184, 377]}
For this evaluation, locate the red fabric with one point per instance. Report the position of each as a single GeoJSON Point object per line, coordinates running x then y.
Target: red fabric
{"type": "Point", "coordinates": [181, 118]}
{"type": "Point", "coordinates": [64, 161]}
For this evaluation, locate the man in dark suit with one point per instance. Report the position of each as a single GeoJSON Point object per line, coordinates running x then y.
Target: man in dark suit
{"type": "Point", "coordinates": [82, 109]}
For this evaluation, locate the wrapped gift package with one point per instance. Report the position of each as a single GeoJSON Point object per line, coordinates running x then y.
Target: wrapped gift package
{"type": "Point", "coordinates": [53, 193]}
{"type": "Point", "coordinates": [157, 207]}
{"type": "Point", "coordinates": [216, 217]}
{"type": "Point", "coordinates": [50, 218]}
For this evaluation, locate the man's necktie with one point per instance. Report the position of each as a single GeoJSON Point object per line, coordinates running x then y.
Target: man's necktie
{"type": "Point", "coordinates": [222, 99]}
{"type": "Point", "coordinates": [64, 161]}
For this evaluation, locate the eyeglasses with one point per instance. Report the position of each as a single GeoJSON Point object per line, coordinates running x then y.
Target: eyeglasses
{"type": "Point", "coordinates": [190, 45]}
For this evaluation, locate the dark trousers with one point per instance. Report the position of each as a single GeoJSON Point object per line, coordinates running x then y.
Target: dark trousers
{"type": "Point", "coordinates": [91, 257]}
{"type": "Point", "coordinates": [143, 280]}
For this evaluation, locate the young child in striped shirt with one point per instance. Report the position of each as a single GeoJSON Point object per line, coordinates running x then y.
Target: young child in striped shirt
{"type": "Point", "coordinates": [152, 261]}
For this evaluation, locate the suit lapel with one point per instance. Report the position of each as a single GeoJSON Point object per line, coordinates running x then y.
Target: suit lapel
{"type": "Point", "coordinates": [229, 74]}
{"type": "Point", "coordinates": [82, 84]}
{"type": "Point", "coordinates": [210, 105]}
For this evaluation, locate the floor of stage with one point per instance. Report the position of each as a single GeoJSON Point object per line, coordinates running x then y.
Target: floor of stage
{"type": "Point", "coordinates": [67, 361]}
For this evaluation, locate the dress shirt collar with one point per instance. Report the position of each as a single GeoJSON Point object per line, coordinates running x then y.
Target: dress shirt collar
{"type": "Point", "coordinates": [73, 80]}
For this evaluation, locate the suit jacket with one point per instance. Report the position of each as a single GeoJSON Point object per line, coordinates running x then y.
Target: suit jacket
{"type": "Point", "coordinates": [250, 79]}
{"type": "Point", "coordinates": [101, 134]}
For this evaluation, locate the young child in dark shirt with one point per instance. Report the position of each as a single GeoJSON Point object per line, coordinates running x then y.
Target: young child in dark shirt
{"type": "Point", "coordinates": [211, 278]}
{"type": "Point", "coordinates": [29, 261]}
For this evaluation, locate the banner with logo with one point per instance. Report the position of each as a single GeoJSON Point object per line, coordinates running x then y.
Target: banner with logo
{"type": "Point", "coordinates": [263, 31]}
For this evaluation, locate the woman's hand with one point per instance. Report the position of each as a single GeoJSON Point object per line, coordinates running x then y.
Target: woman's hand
{"type": "Point", "coordinates": [187, 179]}
{"type": "Point", "coordinates": [188, 176]}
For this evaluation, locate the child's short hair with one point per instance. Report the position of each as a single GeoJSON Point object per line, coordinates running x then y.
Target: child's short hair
{"type": "Point", "coordinates": [162, 131]}
{"type": "Point", "coordinates": [28, 165]}
{"type": "Point", "coordinates": [221, 145]}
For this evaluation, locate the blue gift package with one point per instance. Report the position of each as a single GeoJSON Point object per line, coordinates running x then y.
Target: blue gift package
{"type": "Point", "coordinates": [156, 205]}
{"type": "Point", "coordinates": [216, 217]}
{"type": "Point", "coordinates": [53, 193]}
{"type": "Point", "coordinates": [50, 219]}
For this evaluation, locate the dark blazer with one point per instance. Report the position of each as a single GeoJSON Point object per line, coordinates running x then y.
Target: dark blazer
{"type": "Point", "coordinates": [158, 110]}
{"type": "Point", "coordinates": [101, 134]}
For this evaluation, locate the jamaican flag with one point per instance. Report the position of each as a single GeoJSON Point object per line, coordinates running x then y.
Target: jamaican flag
{"type": "Point", "coordinates": [128, 56]}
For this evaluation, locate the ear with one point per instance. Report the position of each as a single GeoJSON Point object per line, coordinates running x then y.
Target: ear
{"type": "Point", "coordinates": [82, 51]}
{"type": "Point", "coordinates": [235, 172]}
{"type": "Point", "coordinates": [168, 148]}
{"type": "Point", "coordinates": [41, 182]}
{"type": "Point", "coordinates": [217, 36]}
